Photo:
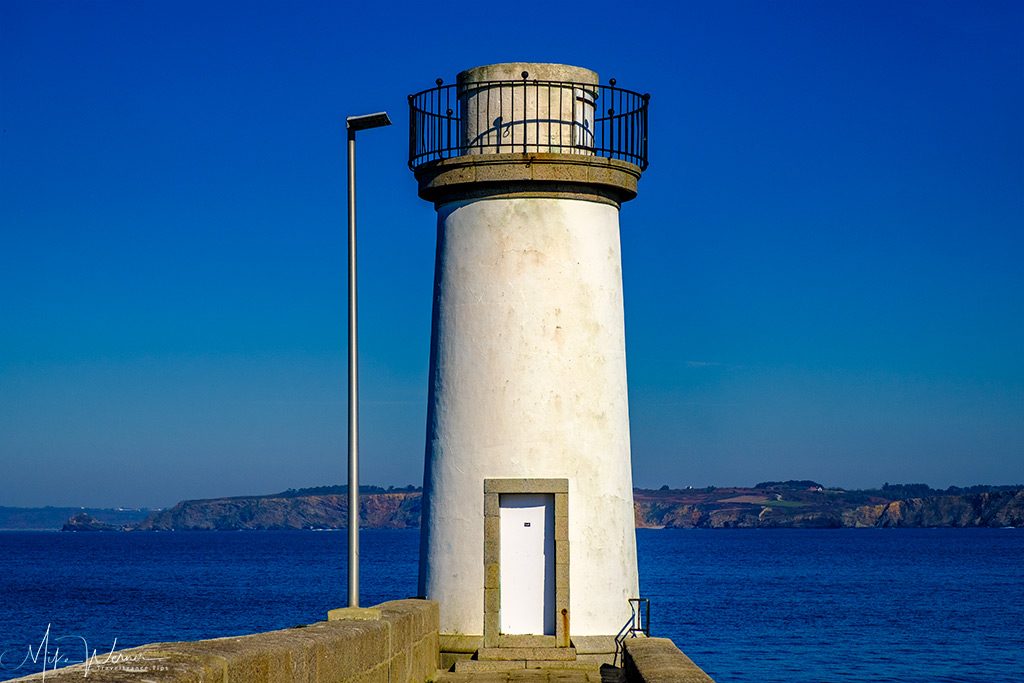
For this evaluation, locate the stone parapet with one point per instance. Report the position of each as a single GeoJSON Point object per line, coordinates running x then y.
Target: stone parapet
{"type": "Point", "coordinates": [400, 647]}
{"type": "Point", "coordinates": [499, 176]}
{"type": "Point", "coordinates": [658, 660]}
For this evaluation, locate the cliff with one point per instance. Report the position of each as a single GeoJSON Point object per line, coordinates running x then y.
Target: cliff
{"type": "Point", "coordinates": [1004, 508]}
{"type": "Point", "coordinates": [378, 510]}
{"type": "Point", "coordinates": [818, 508]}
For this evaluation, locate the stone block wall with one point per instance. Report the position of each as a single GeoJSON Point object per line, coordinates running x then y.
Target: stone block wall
{"type": "Point", "coordinates": [400, 647]}
{"type": "Point", "coordinates": [658, 660]}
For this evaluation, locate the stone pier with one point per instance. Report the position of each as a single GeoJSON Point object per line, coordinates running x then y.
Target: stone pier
{"type": "Point", "coordinates": [402, 646]}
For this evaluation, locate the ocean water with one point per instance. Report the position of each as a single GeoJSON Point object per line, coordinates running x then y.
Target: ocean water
{"type": "Point", "coordinates": [806, 606]}
{"type": "Point", "coordinates": [794, 606]}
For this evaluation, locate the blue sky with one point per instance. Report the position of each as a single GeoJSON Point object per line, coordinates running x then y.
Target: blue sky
{"type": "Point", "coordinates": [822, 271]}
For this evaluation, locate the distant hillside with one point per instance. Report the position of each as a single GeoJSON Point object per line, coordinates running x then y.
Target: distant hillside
{"type": "Point", "coordinates": [376, 510]}
{"type": "Point", "coordinates": [788, 504]}
{"type": "Point", "coordinates": [334, 489]}
{"type": "Point", "coordinates": [51, 518]}
{"type": "Point", "coordinates": [778, 505]}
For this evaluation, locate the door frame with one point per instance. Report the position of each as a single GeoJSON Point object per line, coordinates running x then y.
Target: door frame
{"type": "Point", "coordinates": [493, 488]}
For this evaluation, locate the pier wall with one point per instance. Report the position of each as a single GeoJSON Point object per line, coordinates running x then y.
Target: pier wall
{"type": "Point", "coordinates": [658, 660]}
{"type": "Point", "coordinates": [400, 647]}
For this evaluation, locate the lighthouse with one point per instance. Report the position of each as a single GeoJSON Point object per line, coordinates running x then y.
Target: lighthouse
{"type": "Point", "coordinates": [528, 536]}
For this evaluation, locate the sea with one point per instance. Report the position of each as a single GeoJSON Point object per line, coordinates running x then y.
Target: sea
{"type": "Point", "coordinates": [785, 605]}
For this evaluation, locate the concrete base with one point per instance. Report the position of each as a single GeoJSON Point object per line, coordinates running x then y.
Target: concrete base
{"type": "Point", "coordinates": [356, 613]}
{"type": "Point", "coordinates": [589, 645]}
{"type": "Point", "coordinates": [560, 654]}
{"type": "Point", "coordinates": [464, 654]}
{"type": "Point", "coordinates": [595, 649]}
{"type": "Point", "coordinates": [456, 647]}
{"type": "Point", "coordinates": [476, 666]}
{"type": "Point", "coordinates": [458, 643]}
{"type": "Point", "coordinates": [448, 660]}
{"type": "Point", "coordinates": [500, 659]}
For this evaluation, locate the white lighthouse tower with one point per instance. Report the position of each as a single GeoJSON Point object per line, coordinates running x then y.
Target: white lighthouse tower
{"type": "Point", "coordinates": [528, 530]}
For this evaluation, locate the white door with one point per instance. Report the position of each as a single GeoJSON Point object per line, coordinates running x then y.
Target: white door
{"type": "Point", "coordinates": [528, 563]}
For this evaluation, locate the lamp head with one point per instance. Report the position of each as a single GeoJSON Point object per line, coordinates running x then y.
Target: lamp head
{"type": "Point", "coordinates": [354, 123]}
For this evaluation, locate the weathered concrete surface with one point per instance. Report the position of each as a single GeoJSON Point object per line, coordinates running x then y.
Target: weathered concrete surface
{"type": "Point", "coordinates": [528, 374]}
{"type": "Point", "coordinates": [354, 613]}
{"type": "Point", "coordinates": [528, 676]}
{"type": "Point", "coordinates": [658, 660]}
{"type": "Point", "coordinates": [501, 176]}
{"type": "Point", "coordinates": [596, 650]}
{"type": "Point", "coordinates": [524, 653]}
{"type": "Point", "coordinates": [551, 110]}
{"type": "Point", "coordinates": [400, 647]}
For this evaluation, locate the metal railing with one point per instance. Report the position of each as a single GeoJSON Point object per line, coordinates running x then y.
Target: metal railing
{"type": "Point", "coordinates": [639, 622]}
{"type": "Point", "coordinates": [508, 116]}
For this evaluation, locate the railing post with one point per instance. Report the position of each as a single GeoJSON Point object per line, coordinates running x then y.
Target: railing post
{"type": "Point", "coordinates": [572, 128]}
{"type": "Point", "coordinates": [643, 156]}
{"type": "Point", "coordinates": [437, 115]}
{"type": "Point", "coordinates": [450, 145]}
{"type": "Point", "coordinates": [525, 75]}
{"type": "Point", "coordinates": [412, 130]}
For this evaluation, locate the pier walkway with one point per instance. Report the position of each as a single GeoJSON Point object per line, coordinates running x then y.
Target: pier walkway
{"type": "Point", "coordinates": [400, 644]}
{"type": "Point", "coordinates": [607, 675]}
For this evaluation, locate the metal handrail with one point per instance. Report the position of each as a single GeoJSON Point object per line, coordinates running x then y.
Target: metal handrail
{"type": "Point", "coordinates": [639, 622]}
{"type": "Point", "coordinates": [603, 120]}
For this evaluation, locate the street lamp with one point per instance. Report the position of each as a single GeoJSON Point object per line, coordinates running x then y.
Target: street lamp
{"type": "Point", "coordinates": [353, 124]}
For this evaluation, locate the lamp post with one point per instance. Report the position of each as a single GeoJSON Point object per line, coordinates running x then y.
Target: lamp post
{"type": "Point", "coordinates": [353, 124]}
